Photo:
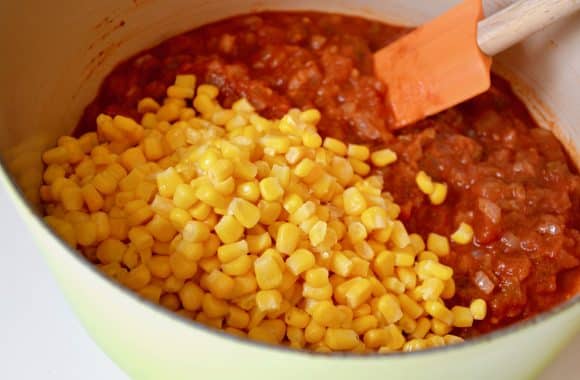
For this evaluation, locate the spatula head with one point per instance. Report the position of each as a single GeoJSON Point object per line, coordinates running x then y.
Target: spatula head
{"type": "Point", "coordinates": [436, 66]}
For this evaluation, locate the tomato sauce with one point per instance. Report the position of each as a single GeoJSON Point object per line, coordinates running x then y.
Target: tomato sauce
{"type": "Point", "coordinates": [509, 179]}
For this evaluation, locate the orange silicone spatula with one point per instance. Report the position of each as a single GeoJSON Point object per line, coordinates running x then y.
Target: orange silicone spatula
{"type": "Point", "coordinates": [448, 59]}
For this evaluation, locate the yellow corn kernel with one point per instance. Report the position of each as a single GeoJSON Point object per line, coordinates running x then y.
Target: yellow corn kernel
{"type": "Point", "coordinates": [287, 238]}
{"type": "Point", "coordinates": [269, 211]}
{"type": "Point", "coordinates": [259, 243]}
{"type": "Point", "coordinates": [153, 148]}
{"type": "Point", "coordinates": [383, 157]}
{"type": "Point", "coordinates": [271, 189]}
{"type": "Point", "coordinates": [184, 196]}
{"type": "Point", "coordinates": [249, 191]}
{"type": "Point", "coordinates": [422, 327]}
{"type": "Point", "coordinates": [86, 233]}
{"type": "Point", "coordinates": [320, 294]}
{"type": "Point", "coordinates": [431, 289]}
{"type": "Point", "coordinates": [268, 300]}
{"type": "Point", "coordinates": [374, 218]}
{"type": "Point", "coordinates": [437, 310]}
{"type": "Point", "coordinates": [200, 211]}
{"type": "Point", "coordinates": [300, 261]}
{"type": "Point", "coordinates": [180, 92]}
{"type": "Point", "coordinates": [358, 293]}
{"type": "Point", "coordinates": [452, 339]}
{"type": "Point", "coordinates": [57, 155]}
{"type": "Point", "coordinates": [268, 272]}
{"type": "Point", "coordinates": [424, 182]}
{"type": "Point", "coordinates": [431, 268]}
{"type": "Point", "coordinates": [462, 316]}
{"type": "Point", "coordinates": [268, 331]}
{"type": "Point", "coordinates": [238, 318]}
{"type": "Point", "coordinates": [196, 232]}
{"type": "Point", "coordinates": [384, 264]}
{"type": "Point", "coordinates": [359, 152]}
{"type": "Point", "coordinates": [179, 218]}
{"type": "Point", "coordinates": [209, 195]}
{"type": "Point", "coordinates": [341, 339]}
{"type": "Point", "coordinates": [168, 112]}
{"type": "Point", "coordinates": [190, 250]}
{"type": "Point", "coordinates": [138, 277]}
{"type": "Point", "coordinates": [341, 264]}
{"type": "Point", "coordinates": [92, 198]}
{"type": "Point", "coordinates": [311, 140]}
{"type": "Point", "coordinates": [439, 193]}
{"type": "Point", "coordinates": [390, 308]}
{"type": "Point", "coordinates": [440, 328]}
{"type": "Point", "coordinates": [310, 116]}
{"type": "Point", "coordinates": [140, 238]}
{"type": "Point", "coordinates": [360, 167]}
{"type": "Point", "coordinates": [478, 309]}
{"type": "Point", "coordinates": [161, 229]}
{"type": "Point", "coordinates": [357, 232]}
{"type": "Point", "coordinates": [110, 250]}
{"type": "Point", "coordinates": [245, 212]}
{"type": "Point", "coordinates": [404, 259]}
{"type": "Point", "coordinates": [185, 80]}
{"type": "Point", "coordinates": [449, 289]}
{"type": "Point", "coordinates": [375, 338]}
{"type": "Point", "coordinates": [407, 277]}
{"type": "Point", "coordinates": [159, 266]}
{"type": "Point", "coordinates": [354, 201]}
{"type": "Point", "coordinates": [335, 146]}
{"type": "Point", "coordinates": [463, 235]}
{"type": "Point", "coordinates": [147, 105]}
{"type": "Point", "coordinates": [399, 235]}
{"type": "Point", "coordinates": [214, 307]}
{"type": "Point", "coordinates": [229, 229]}
{"type": "Point", "coordinates": [318, 232]}
{"type": "Point", "coordinates": [72, 198]}
{"type": "Point", "coordinates": [427, 255]}
{"type": "Point", "coordinates": [220, 284]}
{"type": "Point", "coordinates": [167, 182]}
{"type": "Point", "coordinates": [317, 277]}
{"type": "Point", "coordinates": [364, 323]}
{"type": "Point", "coordinates": [238, 266]}
{"type": "Point", "coordinates": [229, 252]}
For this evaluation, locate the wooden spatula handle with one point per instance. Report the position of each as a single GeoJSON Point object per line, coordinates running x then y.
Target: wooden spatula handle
{"type": "Point", "coordinates": [519, 20]}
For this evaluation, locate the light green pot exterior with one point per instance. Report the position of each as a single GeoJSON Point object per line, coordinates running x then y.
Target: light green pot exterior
{"type": "Point", "coordinates": [150, 343]}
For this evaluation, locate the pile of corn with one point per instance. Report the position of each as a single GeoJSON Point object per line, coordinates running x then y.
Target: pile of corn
{"type": "Point", "coordinates": [258, 227]}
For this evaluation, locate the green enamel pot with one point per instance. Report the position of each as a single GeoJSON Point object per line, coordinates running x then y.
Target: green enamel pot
{"type": "Point", "coordinates": [55, 55]}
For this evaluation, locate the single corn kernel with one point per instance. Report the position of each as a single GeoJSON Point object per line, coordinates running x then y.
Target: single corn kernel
{"type": "Point", "coordinates": [390, 308]}
{"type": "Point", "coordinates": [354, 201]}
{"type": "Point", "coordinates": [424, 182]}
{"type": "Point", "coordinates": [229, 229]}
{"type": "Point", "coordinates": [462, 316]}
{"type": "Point", "coordinates": [271, 189]}
{"type": "Point", "coordinates": [359, 152]}
{"type": "Point", "coordinates": [311, 140]}
{"type": "Point", "coordinates": [478, 309]}
{"type": "Point", "coordinates": [374, 218]}
{"type": "Point", "coordinates": [341, 339]}
{"type": "Point", "coordinates": [383, 157]}
{"type": "Point", "coordinates": [287, 238]}
{"type": "Point", "coordinates": [439, 193]}
{"type": "Point", "coordinates": [268, 272]}
{"type": "Point", "coordinates": [300, 261]}
{"type": "Point", "coordinates": [358, 293]}
{"type": "Point", "coordinates": [317, 233]}
{"type": "Point", "coordinates": [463, 235]}
{"type": "Point", "coordinates": [229, 252]}
{"type": "Point", "coordinates": [438, 244]}
{"type": "Point", "coordinates": [220, 284]}
{"type": "Point", "coordinates": [245, 212]}
{"type": "Point", "coordinates": [268, 300]}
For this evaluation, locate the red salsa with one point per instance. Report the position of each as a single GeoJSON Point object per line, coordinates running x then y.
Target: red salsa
{"type": "Point", "coordinates": [509, 179]}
